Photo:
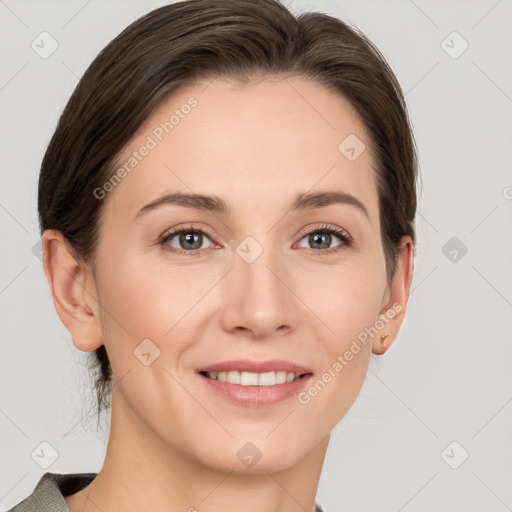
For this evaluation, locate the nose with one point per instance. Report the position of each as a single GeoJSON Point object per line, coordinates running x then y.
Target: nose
{"type": "Point", "coordinates": [258, 299]}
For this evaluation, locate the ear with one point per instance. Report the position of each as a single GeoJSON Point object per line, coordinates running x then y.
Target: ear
{"type": "Point", "coordinates": [73, 291]}
{"type": "Point", "coordinates": [395, 299]}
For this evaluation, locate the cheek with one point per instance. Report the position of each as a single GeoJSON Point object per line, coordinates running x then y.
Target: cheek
{"type": "Point", "coordinates": [145, 299]}
{"type": "Point", "coordinates": [348, 303]}
{"type": "Point", "coordinates": [357, 305]}
{"type": "Point", "coordinates": [347, 298]}
{"type": "Point", "coordinates": [149, 296]}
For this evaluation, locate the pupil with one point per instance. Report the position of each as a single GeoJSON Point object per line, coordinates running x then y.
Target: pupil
{"type": "Point", "coordinates": [317, 236]}
{"type": "Point", "coordinates": [188, 238]}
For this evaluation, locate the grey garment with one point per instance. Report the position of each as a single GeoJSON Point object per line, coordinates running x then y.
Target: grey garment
{"type": "Point", "coordinates": [48, 496]}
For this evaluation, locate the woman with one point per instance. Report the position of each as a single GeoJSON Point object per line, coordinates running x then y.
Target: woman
{"type": "Point", "coordinates": [227, 209]}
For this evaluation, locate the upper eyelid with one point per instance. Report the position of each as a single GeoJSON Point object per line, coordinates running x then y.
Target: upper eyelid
{"type": "Point", "coordinates": [193, 229]}
{"type": "Point", "coordinates": [326, 227]}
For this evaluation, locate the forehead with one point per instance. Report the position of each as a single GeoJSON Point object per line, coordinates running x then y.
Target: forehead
{"type": "Point", "coordinates": [260, 142]}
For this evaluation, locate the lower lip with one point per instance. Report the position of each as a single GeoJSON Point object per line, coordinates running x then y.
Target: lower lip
{"type": "Point", "coordinates": [256, 396]}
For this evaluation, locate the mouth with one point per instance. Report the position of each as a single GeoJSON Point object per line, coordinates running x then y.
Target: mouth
{"type": "Point", "coordinates": [271, 378]}
{"type": "Point", "coordinates": [255, 383]}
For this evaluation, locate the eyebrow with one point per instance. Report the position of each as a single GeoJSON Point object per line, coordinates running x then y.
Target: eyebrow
{"type": "Point", "coordinates": [304, 201]}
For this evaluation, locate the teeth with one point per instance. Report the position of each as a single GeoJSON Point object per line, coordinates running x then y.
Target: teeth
{"type": "Point", "coordinates": [233, 377]}
{"type": "Point", "coordinates": [253, 379]}
{"type": "Point", "coordinates": [248, 378]}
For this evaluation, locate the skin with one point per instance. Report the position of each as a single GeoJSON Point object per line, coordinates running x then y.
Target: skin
{"type": "Point", "coordinates": [173, 443]}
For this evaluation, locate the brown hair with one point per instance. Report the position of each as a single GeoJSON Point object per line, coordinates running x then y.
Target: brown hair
{"type": "Point", "coordinates": [180, 43]}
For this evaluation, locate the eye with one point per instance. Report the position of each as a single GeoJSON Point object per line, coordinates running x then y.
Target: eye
{"type": "Point", "coordinates": [321, 238]}
{"type": "Point", "coordinates": [189, 241]}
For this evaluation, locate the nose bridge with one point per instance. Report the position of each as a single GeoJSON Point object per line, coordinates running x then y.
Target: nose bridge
{"type": "Point", "coordinates": [257, 298]}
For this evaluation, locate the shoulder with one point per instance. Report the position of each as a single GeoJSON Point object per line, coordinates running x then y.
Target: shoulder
{"type": "Point", "coordinates": [320, 508]}
{"type": "Point", "coordinates": [48, 495]}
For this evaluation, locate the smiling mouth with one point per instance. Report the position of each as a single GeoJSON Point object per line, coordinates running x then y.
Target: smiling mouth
{"type": "Point", "coordinates": [253, 378]}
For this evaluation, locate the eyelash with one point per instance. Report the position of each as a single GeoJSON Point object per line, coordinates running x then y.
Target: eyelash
{"type": "Point", "coordinates": [345, 238]}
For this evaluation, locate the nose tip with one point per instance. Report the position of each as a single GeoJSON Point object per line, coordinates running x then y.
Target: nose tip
{"type": "Point", "coordinates": [257, 300]}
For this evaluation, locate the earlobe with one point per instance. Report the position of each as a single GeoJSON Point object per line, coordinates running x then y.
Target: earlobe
{"type": "Point", "coordinates": [73, 292]}
{"type": "Point", "coordinates": [397, 295]}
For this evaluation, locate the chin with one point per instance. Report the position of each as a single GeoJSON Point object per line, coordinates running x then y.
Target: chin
{"type": "Point", "coordinates": [251, 455]}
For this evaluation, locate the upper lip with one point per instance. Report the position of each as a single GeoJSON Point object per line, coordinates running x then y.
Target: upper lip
{"type": "Point", "coordinates": [246, 365]}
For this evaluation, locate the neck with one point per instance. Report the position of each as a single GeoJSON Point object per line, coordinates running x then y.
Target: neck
{"type": "Point", "coordinates": [142, 473]}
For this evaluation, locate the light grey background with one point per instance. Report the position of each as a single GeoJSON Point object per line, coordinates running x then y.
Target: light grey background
{"type": "Point", "coordinates": [447, 378]}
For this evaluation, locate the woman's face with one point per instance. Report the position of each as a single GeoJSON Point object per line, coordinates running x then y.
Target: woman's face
{"type": "Point", "coordinates": [245, 282]}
